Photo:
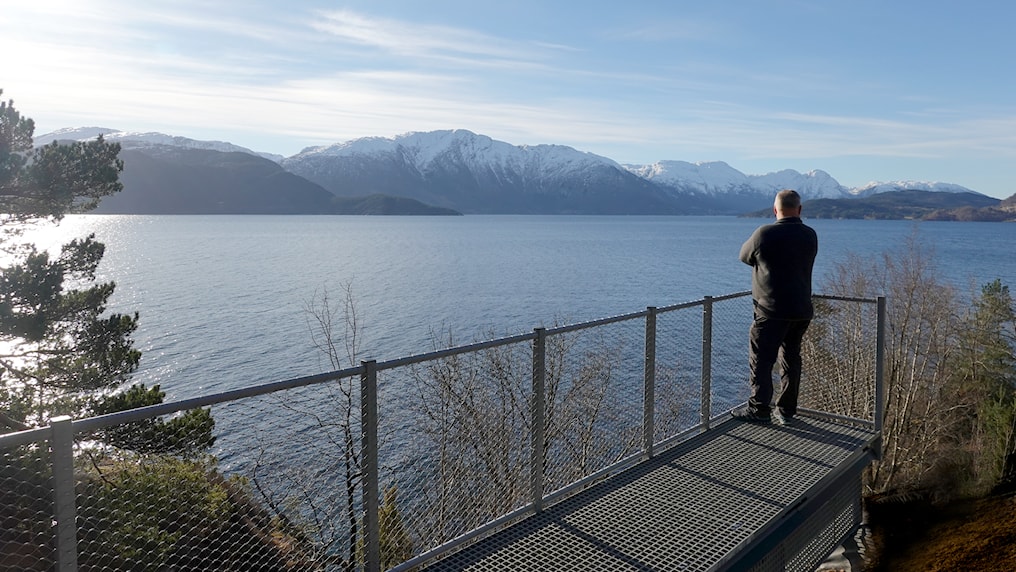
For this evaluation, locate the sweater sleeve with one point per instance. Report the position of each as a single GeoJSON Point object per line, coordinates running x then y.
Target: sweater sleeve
{"type": "Point", "coordinates": [749, 250]}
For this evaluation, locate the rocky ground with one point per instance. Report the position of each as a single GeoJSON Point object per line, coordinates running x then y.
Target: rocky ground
{"type": "Point", "coordinates": [968, 535]}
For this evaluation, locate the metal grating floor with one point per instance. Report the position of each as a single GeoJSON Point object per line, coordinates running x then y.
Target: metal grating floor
{"type": "Point", "coordinates": [685, 509]}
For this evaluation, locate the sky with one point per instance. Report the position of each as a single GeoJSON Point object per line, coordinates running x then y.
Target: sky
{"type": "Point", "coordinates": [864, 90]}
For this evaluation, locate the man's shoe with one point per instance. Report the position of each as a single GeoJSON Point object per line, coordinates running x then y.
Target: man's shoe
{"type": "Point", "coordinates": [749, 416]}
{"type": "Point", "coordinates": [781, 419]}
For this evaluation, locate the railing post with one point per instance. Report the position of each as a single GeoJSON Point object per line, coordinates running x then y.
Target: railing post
{"type": "Point", "coordinates": [649, 388]}
{"type": "Point", "coordinates": [369, 429]}
{"type": "Point", "coordinates": [707, 361]}
{"type": "Point", "coordinates": [538, 410]}
{"type": "Point", "coordinates": [62, 451]}
{"type": "Point", "coordinates": [880, 365]}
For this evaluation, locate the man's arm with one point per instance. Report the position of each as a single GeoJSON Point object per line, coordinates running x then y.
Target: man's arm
{"type": "Point", "coordinates": [750, 249]}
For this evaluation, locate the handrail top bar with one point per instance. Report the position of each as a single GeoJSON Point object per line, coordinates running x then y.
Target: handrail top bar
{"type": "Point", "coordinates": [741, 294]}
{"type": "Point", "coordinates": [597, 322]}
{"type": "Point", "coordinates": [204, 401]}
{"type": "Point", "coordinates": [19, 438]}
{"type": "Point", "coordinates": [680, 306]}
{"type": "Point", "coordinates": [448, 352]}
{"type": "Point", "coordinates": [846, 298]}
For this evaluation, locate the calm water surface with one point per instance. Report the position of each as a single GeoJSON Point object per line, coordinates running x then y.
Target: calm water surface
{"type": "Point", "coordinates": [223, 298]}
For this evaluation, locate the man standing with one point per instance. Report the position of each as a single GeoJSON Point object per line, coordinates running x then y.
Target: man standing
{"type": "Point", "coordinates": [781, 255]}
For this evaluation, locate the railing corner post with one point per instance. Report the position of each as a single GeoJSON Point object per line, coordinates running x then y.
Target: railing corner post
{"type": "Point", "coordinates": [649, 388]}
{"type": "Point", "coordinates": [65, 503]}
{"type": "Point", "coordinates": [707, 361]}
{"type": "Point", "coordinates": [371, 489]}
{"type": "Point", "coordinates": [539, 452]}
{"type": "Point", "coordinates": [880, 365]}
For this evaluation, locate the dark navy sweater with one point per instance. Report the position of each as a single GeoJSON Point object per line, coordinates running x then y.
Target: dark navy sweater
{"type": "Point", "coordinates": [782, 255]}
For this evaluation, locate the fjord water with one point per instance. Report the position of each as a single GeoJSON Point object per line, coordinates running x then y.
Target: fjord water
{"type": "Point", "coordinates": [223, 299]}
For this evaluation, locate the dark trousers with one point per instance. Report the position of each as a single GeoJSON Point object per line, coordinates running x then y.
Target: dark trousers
{"type": "Point", "coordinates": [769, 340]}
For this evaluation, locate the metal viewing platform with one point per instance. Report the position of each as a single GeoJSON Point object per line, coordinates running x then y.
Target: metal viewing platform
{"type": "Point", "coordinates": [737, 497]}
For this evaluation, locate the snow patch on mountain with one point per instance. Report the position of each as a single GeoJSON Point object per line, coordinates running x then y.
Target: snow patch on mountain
{"type": "Point", "coordinates": [72, 134]}
{"type": "Point", "coordinates": [709, 177]}
{"type": "Point", "coordinates": [874, 188]}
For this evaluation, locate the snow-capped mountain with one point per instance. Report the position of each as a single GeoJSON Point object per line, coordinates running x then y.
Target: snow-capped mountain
{"type": "Point", "coordinates": [719, 178]}
{"type": "Point", "coordinates": [426, 151]}
{"type": "Point", "coordinates": [72, 134]}
{"type": "Point", "coordinates": [875, 188]}
{"type": "Point", "coordinates": [711, 178]}
{"type": "Point", "coordinates": [815, 184]}
{"type": "Point", "coordinates": [135, 140]}
{"type": "Point", "coordinates": [472, 173]}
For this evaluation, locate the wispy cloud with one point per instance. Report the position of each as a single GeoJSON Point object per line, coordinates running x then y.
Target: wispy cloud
{"type": "Point", "coordinates": [414, 40]}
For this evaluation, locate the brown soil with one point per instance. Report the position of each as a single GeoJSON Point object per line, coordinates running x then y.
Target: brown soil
{"type": "Point", "coordinates": [970, 535]}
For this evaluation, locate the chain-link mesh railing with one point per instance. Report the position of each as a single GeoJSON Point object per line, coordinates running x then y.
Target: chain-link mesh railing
{"type": "Point", "coordinates": [840, 354]}
{"type": "Point", "coordinates": [279, 489]}
{"type": "Point", "coordinates": [390, 463]}
{"type": "Point", "coordinates": [677, 378]}
{"type": "Point", "coordinates": [732, 316]}
{"type": "Point", "coordinates": [455, 441]}
{"type": "Point", "coordinates": [594, 395]}
{"type": "Point", "coordinates": [27, 535]}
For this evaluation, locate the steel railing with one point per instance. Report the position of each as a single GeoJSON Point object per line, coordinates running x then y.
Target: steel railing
{"type": "Point", "coordinates": [360, 467]}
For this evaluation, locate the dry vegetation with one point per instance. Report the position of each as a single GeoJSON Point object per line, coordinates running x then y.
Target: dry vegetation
{"type": "Point", "coordinates": [965, 535]}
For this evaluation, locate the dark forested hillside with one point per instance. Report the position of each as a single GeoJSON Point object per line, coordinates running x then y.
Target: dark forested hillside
{"type": "Point", "coordinates": [191, 181]}
{"type": "Point", "coordinates": [908, 204]}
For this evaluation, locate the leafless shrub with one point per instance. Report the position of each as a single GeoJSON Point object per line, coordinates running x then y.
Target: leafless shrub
{"type": "Point", "coordinates": [930, 440]}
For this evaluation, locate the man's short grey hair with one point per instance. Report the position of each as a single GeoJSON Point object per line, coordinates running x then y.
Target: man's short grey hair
{"type": "Point", "coordinates": [788, 199]}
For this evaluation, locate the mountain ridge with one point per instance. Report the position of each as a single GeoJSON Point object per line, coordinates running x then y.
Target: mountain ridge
{"type": "Point", "coordinates": [472, 173]}
{"type": "Point", "coordinates": [476, 174]}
